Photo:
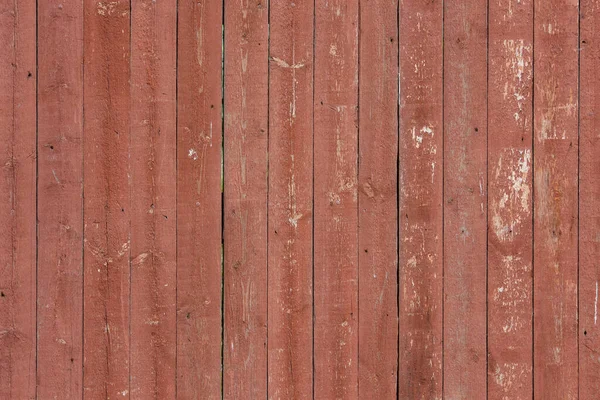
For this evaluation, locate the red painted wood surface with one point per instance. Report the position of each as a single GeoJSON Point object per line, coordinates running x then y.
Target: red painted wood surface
{"type": "Point", "coordinates": [59, 200]}
{"type": "Point", "coordinates": [510, 175]}
{"type": "Point", "coordinates": [290, 300]}
{"type": "Point", "coordinates": [330, 199]}
{"type": "Point", "coordinates": [107, 200]}
{"type": "Point", "coordinates": [420, 201]}
{"type": "Point", "coordinates": [245, 200]}
{"type": "Point", "coordinates": [378, 200]}
{"type": "Point", "coordinates": [17, 200]}
{"type": "Point", "coordinates": [555, 196]}
{"type": "Point", "coordinates": [465, 199]}
{"type": "Point", "coordinates": [589, 198]}
{"type": "Point", "coordinates": [153, 193]}
{"type": "Point", "coordinates": [336, 200]}
{"type": "Point", "coordinates": [199, 140]}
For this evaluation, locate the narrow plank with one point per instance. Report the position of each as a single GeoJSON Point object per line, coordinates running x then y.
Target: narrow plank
{"type": "Point", "coordinates": [378, 199]}
{"type": "Point", "coordinates": [106, 200]}
{"type": "Point", "coordinates": [290, 201]}
{"type": "Point", "coordinates": [199, 273]}
{"type": "Point", "coordinates": [17, 200]}
{"type": "Point", "coordinates": [465, 199]}
{"type": "Point", "coordinates": [245, 200]}
{"type": "Point", "coordinates": [510, 369]}
{"type": "Point", "coordinates": [555, 199]}
{"type": "Point", "coordinates": [153, 216]}
{"type": "Point", "coordinates": [420, 199]}
{"type": "Point", "coordinates": [60, 219]}
{"type": "Point", "coordinates": [336, 199]}
{"type": "Point", "coordinates": [589, 198]}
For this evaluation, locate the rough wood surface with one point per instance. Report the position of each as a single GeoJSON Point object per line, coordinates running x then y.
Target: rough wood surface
{"type": "Point", "coordinates": [107, 202]}
{"type": "Point", "coordinates": [59, 210]}
{"type": "Point", "coordinates": [589, 200]}
{"type": "Point", "coordinates": [420, 200]}
{"type": "Point", "coordinates": [153, 193]}
{"type": "Point", "coordinates": [245, 200]}
{"type": "Point", "coordinates": [199, 140]}
{"type": "Point", "coordinates": [510, 201]}
{"type": "Point", "coordinates": [336, 199]}
{"type": "Point", "coordinates": [18, 200]}
{"type": "Point", "coordinates": [378, 200]}
{"type": "Point", "coordinates": [465, 199]}
{"type": "Point", "coordinates": [555, 229]}
{"type": "Point", "coordinates": [290, 201]}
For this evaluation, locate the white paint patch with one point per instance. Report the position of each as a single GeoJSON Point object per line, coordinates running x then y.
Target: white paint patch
{"type": "Point", "coordinates": [193, 154]}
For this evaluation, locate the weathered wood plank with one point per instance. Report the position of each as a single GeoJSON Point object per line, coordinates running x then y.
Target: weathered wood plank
{"type": "Point", "coordinates": [18, 200]}
{"type": "Point", "coordinates": [290, 200]}
{"type": "Point", "coordinates": [555, 199]}
{"type": "Point", "coordinates": [199, 272]}
{"type": "Point", "coordinates": [60, 219]}
{"type": "Point", "coordinates": [106, 200]}
{"type": "Point", "coordinates": [420, 200]}
{"type": "Point", "coordinates": [378, 199]}
{"type": "Point", "coordinates": [510, 234]}
{"type": "Point", "coordinates": [465, 199]}
{"type": "Point", "coordinates": [336, 199]}
{"type": "Point", "coordinates": [245, 200]}
{"type": "Point", "coordinates": [153, 216]}
{"type": "Point", "coordinates": [589, 200]}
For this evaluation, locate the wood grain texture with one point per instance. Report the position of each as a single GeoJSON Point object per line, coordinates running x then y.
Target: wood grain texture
{"type": "Point", "coordinates": [465, 199]}
{"type": "Point", "coordinates": [245, 200]}
{"type": "Point", "coordinates": [420, 200]}
{"type": "Point", "coordinates": [510, 290]}
{"type": "Point", "coordinates": [106, 200]}
{"type": "Point", "coordinates": [290, 201]}
{"type": "Point", "coordinates": [153, 214]}
{"type": "Point", "coordinates": [18, 200]}
{"type": "Point", "coordinates": [378, 199]}
{"type": "Point", "coordinates": [589, 200]}
{"type": "Point", "coordinates": [199, 272]}
{"type": "Point", "coordinates": [336, 199]}
{"type": "Point", "coordinates": [555, 199]}
{"type": "Point", "coordinates": [60, 219]}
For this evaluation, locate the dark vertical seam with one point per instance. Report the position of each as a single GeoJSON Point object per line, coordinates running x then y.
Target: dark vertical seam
{"type": "Point", "coordinates": [82, 191]}
{"type": "Point", "coordinates": [176, 195]}
{"type": "Point", "coordinates": [130, 187]}
{"type": "Point", "coordinates": [37, 227]}
{"type": "Point", "coordinates": [358, 74]}
{"type": "Point", "coordinates": [313, 197]}
{"type": "Point", "coordinates": [487, 185]}
{"type": "Point", "coordinates": [398, 218]}
{"type": "Point", "coordinates": [443, 192]}
{"type": "Point", "coordinates": [222, 183]}
{"type": "Point", "coordinates": [578, 176]}
{"type": "Point", "coordinates": [268, 178]}
{"type": "Point", "coordinates": [533, 204]}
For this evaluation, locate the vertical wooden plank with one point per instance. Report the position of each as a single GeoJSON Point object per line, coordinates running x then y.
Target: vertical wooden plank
{"type": "Point", "coordinates": [245, 199]}
{"type": "Point", "coordinates": [555, 199]}
{"type": "Point", "coordinates": [17, 200]}
{"type": "Point", "coordinates": [106, 199]}
{"type": "Point", "coordinates": [153, 180]}
{"type": "Point", "coordinates": [336, 199]}
{"type": "Point", "coordinates": [290, 200]}
{"type": "Point", "coordinates": [199, 106]}
{"type": "Point", "coordinates": [420, 197]}
{"type": "Point", "coordinates": [465, 199]}
{"type": "Point", "coordinates": [60, 219]}
{"type": "Point", "coordinates": [589, 200]}
{"type": "Point", "coordinates": [378, 199]}
{"type": "Point", "coordinates": [510, 191]}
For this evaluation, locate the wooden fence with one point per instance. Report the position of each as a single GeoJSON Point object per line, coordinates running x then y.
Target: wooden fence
{"type": "Point", "coordinates": [328, 199]}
